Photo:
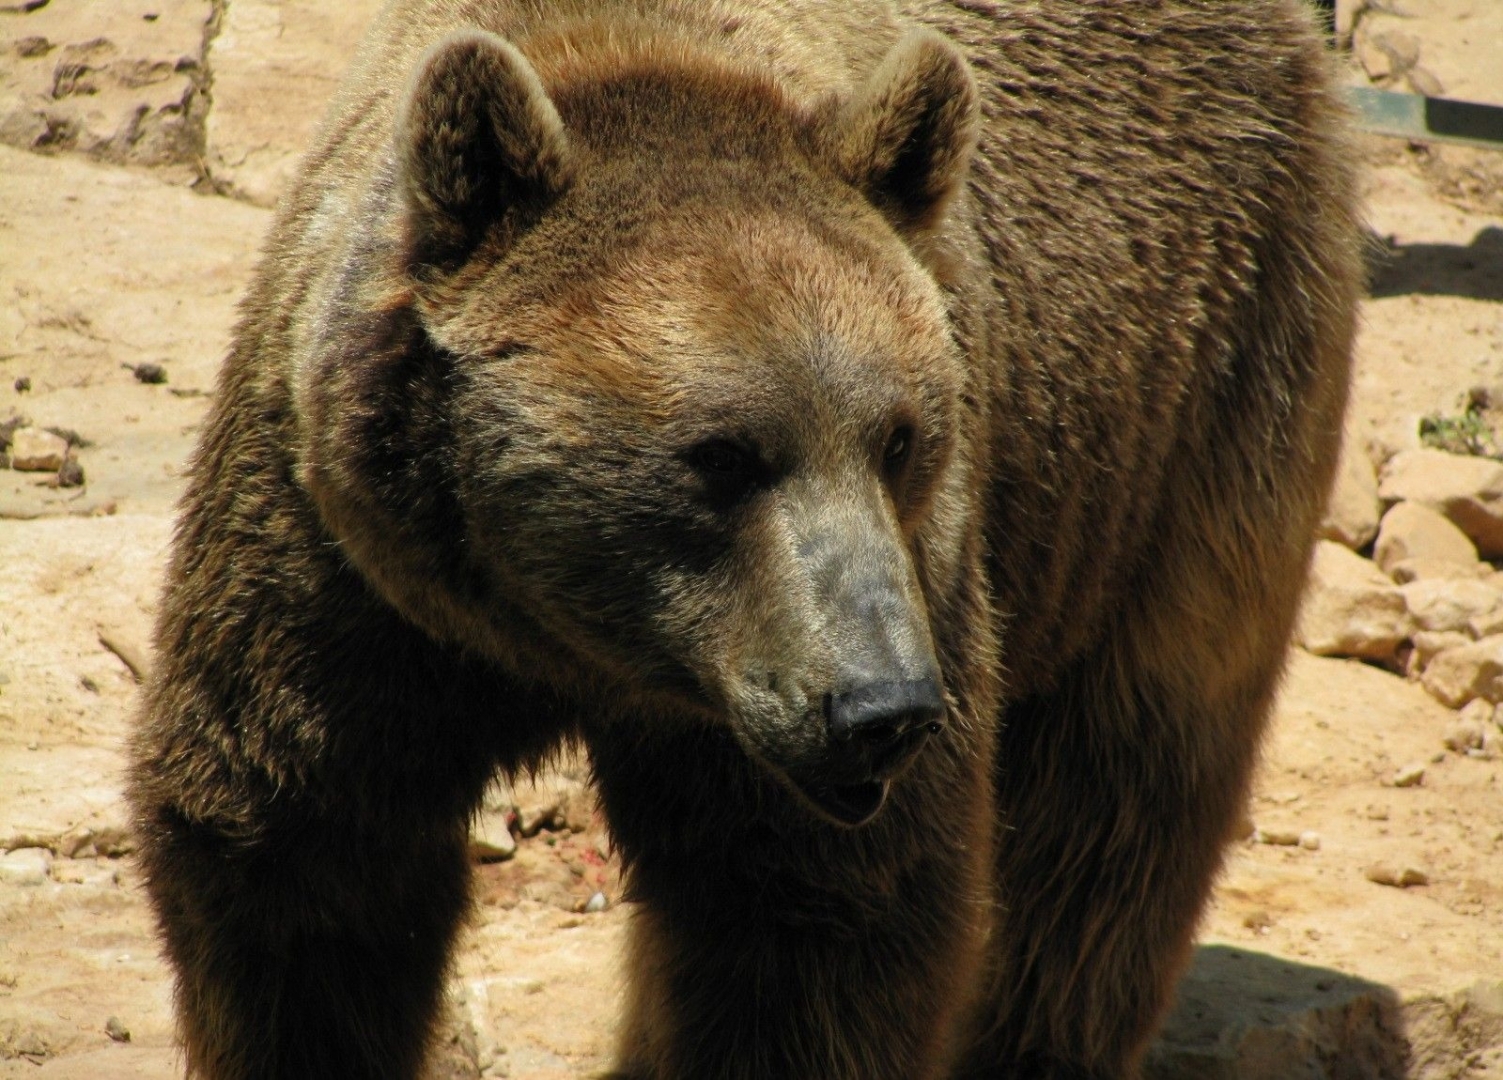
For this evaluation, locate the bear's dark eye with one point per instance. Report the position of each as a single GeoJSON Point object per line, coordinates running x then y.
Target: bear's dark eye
{"type": "Point", "coordinates": [722, 458]}
{"type": "Point", "coordinates": [729, 470]}
{"type": "Point", "coordinates": [899, 447]}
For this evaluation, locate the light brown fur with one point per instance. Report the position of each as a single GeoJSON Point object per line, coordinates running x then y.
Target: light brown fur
{"type": "Point", "coordinates": [709, 382]}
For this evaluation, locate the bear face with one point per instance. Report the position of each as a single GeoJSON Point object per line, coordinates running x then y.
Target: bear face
{"type": "Point", "coordinates": [703, 407]}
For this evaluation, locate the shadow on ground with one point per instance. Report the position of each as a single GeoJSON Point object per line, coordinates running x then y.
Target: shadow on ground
{"type": "Point", "coordinates": [1474, 271]}
{"type": "Point", "coordinates": [1245, 1015]}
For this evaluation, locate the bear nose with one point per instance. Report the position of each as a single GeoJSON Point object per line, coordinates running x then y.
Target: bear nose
{"type": "Point", "coordinates": [877, 714]}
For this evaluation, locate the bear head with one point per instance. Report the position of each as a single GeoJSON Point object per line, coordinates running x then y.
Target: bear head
{"type": "Point", "coordinates": [664, 403]}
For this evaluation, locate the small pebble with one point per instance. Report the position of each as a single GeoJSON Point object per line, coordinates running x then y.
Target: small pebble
{"type": "Point", "coordinates": [116, 1030]}
{"type": "Point", "coordinates": [71, 474]}
{"type": "Point", "coordinates": [1310, 841]}
{"type": "Point", "coordinates": [1465, 734]}
{"type": "Point", "coordinates": [1276, 837]}
{"type": "Point", "coordinates": [596, 903]}
{"type": "Point", "coordinates": [26, 867]}
{"type": "Point", "coordinates": [1409, 776]}
{"type": "Point", "coordinates": [1258, 921]}
{"type": "Point", "coordinates": [1398, 879]}
{"type": "Point", "coordinates": [151, 374]}
{"type": "Point", "coordinates": [23, 384]}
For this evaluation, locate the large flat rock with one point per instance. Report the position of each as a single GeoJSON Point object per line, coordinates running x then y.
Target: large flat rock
{"type": "Point", "coordinates": [105, 269]}
{"type": "Point", "coordinates": [275, 66]}
{"type": "Point", "coordinates": [121, 80]}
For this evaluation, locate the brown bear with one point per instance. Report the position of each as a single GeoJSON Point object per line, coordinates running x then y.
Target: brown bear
{"type": "Point", "coordinates": [888, 437]}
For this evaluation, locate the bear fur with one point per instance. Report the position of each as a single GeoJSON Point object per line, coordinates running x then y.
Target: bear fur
{"type": "Point", "coordinates": [888, 437]}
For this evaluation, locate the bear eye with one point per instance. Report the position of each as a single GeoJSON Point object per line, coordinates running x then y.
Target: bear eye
{"type": "Point", "coordinates": [899, 448]}
{"type": "Point", "coordinates": [721, 458]}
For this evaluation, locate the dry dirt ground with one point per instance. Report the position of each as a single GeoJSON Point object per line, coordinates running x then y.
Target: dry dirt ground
{"type": "Point", "coordinates": [143, 141]}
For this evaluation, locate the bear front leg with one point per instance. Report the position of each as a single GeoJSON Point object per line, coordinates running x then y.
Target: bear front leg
{"type": "Point", "coordinates": [1115, 803]}
{"type": "Point", "coordinates": [315, 949]}
{"type": "Point", "coordinates": [766, 943]}
{"type": "Point", "coordinates": [302, 800]}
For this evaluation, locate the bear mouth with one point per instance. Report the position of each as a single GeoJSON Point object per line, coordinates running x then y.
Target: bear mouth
{"type": "Point", "coordinates": [848, 804]}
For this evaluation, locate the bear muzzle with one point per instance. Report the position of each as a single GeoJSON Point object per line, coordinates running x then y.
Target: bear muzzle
{"type": "Point", "coordinates": [874, 732]}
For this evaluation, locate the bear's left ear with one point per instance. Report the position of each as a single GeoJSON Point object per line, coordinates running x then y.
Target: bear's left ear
{"type": "Point", "coordinates": [907, 136]}
{"type": "Point", "coordinates": [479, 142]}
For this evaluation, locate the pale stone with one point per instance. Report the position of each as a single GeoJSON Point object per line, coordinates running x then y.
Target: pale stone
{"type": "Point", "coordinates": [1475, 670]}
{"type": "Point", "coordinates": [105, 80]}
{"type": "Point", "coordinates": [1406, 570]}
{"type": "Point", "coordinates": [1410, 530]}
{"type": "Point", "coordinates": [1352, 514]}
{"type": "Point", "coordinates": [35, 450]}
{"type": "Point", "coordinates": [25, 866]}
{"type": "Point", "coordinates": [1468, 490]}
{"type": "Point", "coordinates": [1442, 605]}
{"type": "Point", "coordinates": [1350, 608]}
{"type": "Point", "coordinates": [276, 64]}
{"type": "Point", "coordinates": [1428, 644]}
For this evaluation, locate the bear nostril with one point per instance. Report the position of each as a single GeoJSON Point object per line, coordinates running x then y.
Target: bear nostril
{"type": "Point", "coordinates": [880, 713]}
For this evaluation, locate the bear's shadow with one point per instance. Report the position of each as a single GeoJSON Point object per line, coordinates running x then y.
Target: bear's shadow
{"type": "Point", "coordinates": [1474, 271]}
{"type": "Point", "coordinates": [1244, 1015]}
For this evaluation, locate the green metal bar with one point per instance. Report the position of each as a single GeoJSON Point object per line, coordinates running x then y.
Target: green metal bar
{"type": "Point", "coordinates": [1427, 119]}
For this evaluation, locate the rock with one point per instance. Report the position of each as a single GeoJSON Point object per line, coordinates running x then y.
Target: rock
{"type": "Point", "coordinates": [1464, 735]}
{"type": "Point", "coordinates": [275, 64]}
{"type": "Point", "coordinates": [1277, 837]}
{"type": "Point", "coordinates": [1475, 670]}
{"type": "Point", "coordinates": [116, 1030]}
{"type": "Point", "coordinates": [92, 839]}
{"type": "Point", "coordinates": [491, 838]}
{"type": "Point", "coordinates": [1491, 745]}
{"type": "Point", "coordinates": [100, 79]}
{"type": "Point", "coordinates": [1259, 921]}
{"type": "Point", "coordinates": [35, 450]}
{"type": "Point", "coordinates": [1410, 530]}
{"type": "Point", "coordinates": [1352, 514]}
{"type": "Point", "coordinates": [1467, 490]}
{"type": "Point", "coordinates": [1427, 644]}
{"type": "Point", "coordinates": [1423, 81]}
{"type": "Point", "coordinates": [1409, 776]}
{"type": "Point", "coordinates": [1486, 624]}
{"type": "Point", "coordinates": [25, 866]}
{"type": "Point", "coordinates": [1375, 61]}
{"type": "Point", "coordinates": [558, 799]}
{"type": "Point", "coordinates": [1479, 712]}
{"type": "Point", "coordinates": [1406, 570]}
{"type": "Point", "coordinates": [596, 903]}
{"type": "Point", "coordinates": [151, 374]}
{"type": "Point", "coordinates": [1245, 1015]}
{"type": "Point", "coordinates": [23, 384]}
{"type": "Point", "coordinates": [71, 475]}
{"type": "Point", "coordinates": [1350, 608]}
{"type": "Point", "coordinates": [1383, 874]}
{"type": "Point", "coordinates": [1452, 605]}
{"type": "Point", "coordinates": [1310, 841]}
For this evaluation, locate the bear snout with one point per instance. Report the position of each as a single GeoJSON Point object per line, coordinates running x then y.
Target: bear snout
{"type": "Point", "coordinates": [878, 714]}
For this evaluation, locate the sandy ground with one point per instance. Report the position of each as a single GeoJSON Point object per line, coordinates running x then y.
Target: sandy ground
{"type": "Point", "coordinates": [116, 253]}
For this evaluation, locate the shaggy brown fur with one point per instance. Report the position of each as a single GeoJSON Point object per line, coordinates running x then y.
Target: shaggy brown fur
{"type": "Point", "coordinates": [889, 437]}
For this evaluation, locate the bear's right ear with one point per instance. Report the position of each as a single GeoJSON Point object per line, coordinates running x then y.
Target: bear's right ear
{"type": "Point", "coordinates": [907, 137]}
{"type": "Point", "coordinates": [479, 142]}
